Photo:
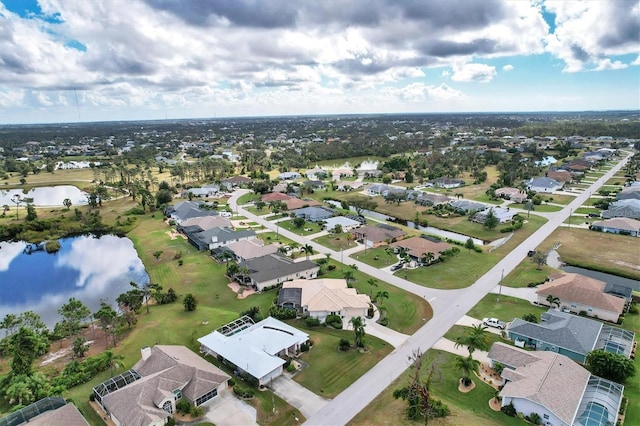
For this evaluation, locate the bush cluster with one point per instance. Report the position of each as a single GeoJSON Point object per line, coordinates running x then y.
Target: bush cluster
{"type": "Point", "coordinates": [334, 321]}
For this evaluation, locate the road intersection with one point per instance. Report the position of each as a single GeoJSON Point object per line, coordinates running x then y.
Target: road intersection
{"type": "Point", "coordinates": [449, 306]}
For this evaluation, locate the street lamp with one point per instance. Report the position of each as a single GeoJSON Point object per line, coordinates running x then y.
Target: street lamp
{"type": "Point", "coordinates": [570, 213]}
{"type": "Point", "coordinates": [364, 240]}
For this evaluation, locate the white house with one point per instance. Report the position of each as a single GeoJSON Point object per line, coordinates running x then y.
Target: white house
{"type": "Point", "coordinates": [346, 223]}
{"type": "Point", "coordinates": [544, 184]}
{"type": "Point", "coordinates": [257, 349]}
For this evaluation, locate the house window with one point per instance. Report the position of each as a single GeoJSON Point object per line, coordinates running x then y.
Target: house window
{"type": "Point", "coordinates": [168, 407]}
{"type": "Point", "coordinates": [590, 309]}
{"type": "Point", "coordinates": [177, 394]}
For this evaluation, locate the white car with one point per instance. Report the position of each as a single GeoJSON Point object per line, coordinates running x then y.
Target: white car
{"type": "Point", "coordinates": [494, 322]}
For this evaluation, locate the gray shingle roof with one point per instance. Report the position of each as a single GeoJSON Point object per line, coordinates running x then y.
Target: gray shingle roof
{"type": "Point", "coordinates": [272, 266]}
{"type": "Point", "coordinates": [561, 329]}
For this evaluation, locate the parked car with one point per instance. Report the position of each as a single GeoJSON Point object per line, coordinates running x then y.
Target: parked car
{"type": "Point", "coordinates": [396, 266]}
{"type": "Point", "coordinates": [494, 322]}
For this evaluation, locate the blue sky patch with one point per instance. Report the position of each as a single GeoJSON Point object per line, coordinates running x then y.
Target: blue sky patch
{"type": "Point", "coordinates": [30, 9]}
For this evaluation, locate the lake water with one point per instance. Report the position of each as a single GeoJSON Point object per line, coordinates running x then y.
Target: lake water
{"type": "Point", "coordinates": [88, 268]}
{"type": "Point", "coordinates": [602, 276]}
{"type": "Point", "coordinates": [45, 195]}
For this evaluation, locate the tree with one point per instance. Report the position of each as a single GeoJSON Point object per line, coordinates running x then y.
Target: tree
{"type": "Point", "coordinates": [260, 205]}
{"type": "Point", "coordinates": [427, 258]}
{"type": "Point", "coordinates": [157, 254]}
{"type": "Point", "coordinates": [31, 211]}
{"type": "Point", "coordinates": [298, 222]}
{"type": "Point", "coordinates": [107, 318]}
{"type": "Point", "coordinates": [476, 338]}
{"type": "Point", "coordinates": [467, 365]}
{"type": "Point", "coordinates": [17, 200]}
{"type": "Point", "coordinates": [113, 361]}
{"type": "Point", "coordinates": [417, 393]}
{"type": "Point", "coordinates": [23, 347]}
{"type": "Point", "coordinates": [380, 296]}
{"type": "Point", "coordinates": [163, 196]}
{"type": "Point", "coordinates": [337, 229]}
{"type": "Point", "coordinates": [349, 276]}
{"type": "Point", "coordinates": [308, 250]}
{"type": "Point", "coordinates": [372, 283]}
{"type": "Point", "coordinates": [553, 300]}
{"type": "Point", "coordinates": [73, 314]}
{"type": "Point", "coordinates": [358, 330]}
{"type": "Point", "coordinates": [469, 245]}
{"type": "Point", "coordinates": [190, 302]}
{"type": "Point", "coordinates": [361, 203]}
{"type": "Point", "coordinates": [530, 318]}
{"type": "Point", "coordinates": [67, 203]}
{"type": "Point", "coordinates": [491, 221]}
{"type": "Point", "coordinates": [540, 259]}
{"type": "Point", "coordinates": [79, 347]}
{"type": "Point", "coordinates": [611, 366]}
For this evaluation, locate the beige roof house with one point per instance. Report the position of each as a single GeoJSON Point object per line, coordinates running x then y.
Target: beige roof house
{"type": "Point", "coordinates": [514, 194]}
{"type": "Point", "coordinates": [559, 390]}
{"type": "Point", "coordinates": [322, 297]}
{"type": "Point", "coordinates": [578, 292]}
{"type": "Point", "coordinates": [207, 222]}
{"type": "Point", "coordinates": [249, 249]}
{"type": "Point", "coordinates": [417, 246]}
{"type": "Point", "coordinates": [618, 225]}
{"type": "Point", "coordinates": [373, 236]}
{"type": "Point", "coordinates": [67, 415]}
{"type": "Point", "coordinates": [164, 374]}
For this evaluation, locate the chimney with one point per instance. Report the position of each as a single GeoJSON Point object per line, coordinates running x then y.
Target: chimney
{"type": "Point", "coordinates": [146, 353]}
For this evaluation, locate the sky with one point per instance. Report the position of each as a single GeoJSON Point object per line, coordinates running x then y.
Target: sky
{"type": "Point", "coordinates": [77, 60]}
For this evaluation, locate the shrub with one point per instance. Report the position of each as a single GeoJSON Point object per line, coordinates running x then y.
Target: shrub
{"type": "Point", "coordinates": [439, 408]}
{"type": "Point", "coordinates": [535, 418]}
{"type": "Point", "coordinates": [304, 347]}
{"type": "Point", "coordinates": [344, 345]}
{"type": "Point", "coordinates": [633, 309]}
{"type": "Point", "coordinates": [312, 322]}
{"type": "Point", "coordinates": [582, 313]}
{"type": "Point", "coordinates": [331, 267]}
{"type": "Point", "coordinates": [171, 422]}
{"type": "Point", "coordinates": [282, 313]}
{"type": "Point", "coordinates": [530, 318]}
{"type": "Point", "coordinates": [232, 382]}
{"type": "Point", "coordinates": [135, 211]}
{"type": "Point", "coordinates": [291, 368]}
{"type": "Point", "coordinates": [196, 411]}
{"type": "Point", "coordinates": [183, 406]}
{"type": "Point", "coordinates": [243, 392]}
{"type": "Point", "coordinates": [509, 410]}
{"type": "Point", "coordinates": [334, 321]}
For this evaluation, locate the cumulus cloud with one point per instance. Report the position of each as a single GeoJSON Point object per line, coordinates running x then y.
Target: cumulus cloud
{"type": "Point", "coordinates": [636, 61]}
{"type": "Point", "coordinates": [481, 73]}
{"type": "Point", "coordinates": [607, 64]}
{"type": "Point", "coordinates": [507, 67]}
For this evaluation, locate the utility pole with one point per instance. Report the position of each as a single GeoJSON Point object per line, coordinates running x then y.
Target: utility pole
{"type": "Point", "coordinates": [500, 286]}
{"type": "Point", "coordinates": [570, 213]}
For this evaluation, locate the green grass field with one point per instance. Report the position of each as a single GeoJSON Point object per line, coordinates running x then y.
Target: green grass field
{"type": "Point", "coordinates": [378, 257]}
{"type": "Point", "coordinates": [337, 241]}
{"type": "Point", "coordinates": [331, 370]}
{"type": "Point", "coordinates": [526, 272]}
{"type": "Point", "coordinates": [506, 309]}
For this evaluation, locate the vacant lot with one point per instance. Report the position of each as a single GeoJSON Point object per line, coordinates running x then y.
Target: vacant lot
{"type": "Point", "coordinates": [337, 242]}
{"type": "Point", "coordinates": [617, 254]}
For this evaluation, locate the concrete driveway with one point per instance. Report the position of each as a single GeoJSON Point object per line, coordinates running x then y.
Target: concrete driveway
{"type": "Point", "coordinates": [297, 395]}
{"type": "Point", "coordinates": [227, 410]}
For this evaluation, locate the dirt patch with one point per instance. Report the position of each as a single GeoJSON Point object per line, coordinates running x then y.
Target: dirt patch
{"type": "Point", "coordinates": [242, 292]}
{"type": "Point", "coordinates": [60, 352]}
{"type": "Point", "coordinates": [175, 234]}
{"type": "Point", "coordinates": [495, 404]}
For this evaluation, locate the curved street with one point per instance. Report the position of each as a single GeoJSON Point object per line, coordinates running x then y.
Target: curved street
{"type": "Point", "coordinates": [449, 306]}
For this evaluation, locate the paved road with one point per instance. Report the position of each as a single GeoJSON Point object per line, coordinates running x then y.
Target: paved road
{"type": "Point", "coordinates": [448, 306]}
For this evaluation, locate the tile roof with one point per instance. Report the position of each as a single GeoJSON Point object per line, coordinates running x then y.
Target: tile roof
{"type": "Point", "coordinates": [549, 379]}
{"type": "Point", "coordinates": [379, 233]}
{"type": "Point", "coordinates": [248, 249]}
{"type": "Point", "coordinates": [272, 266]}
{"type": "Point", "coordinates": [417, 246]}
{"type": "Point", "coordinates": [297, 203]}
{"type": "Point", "coordinates": [328, 294]}
{"type": "Point", "coordinates": [584, 290]}
{"type": "Point", "coordinates": [67, 415]}
{"type": "Point", "coordinates": [206, 222]}
{"type": "Point", "coordinates": [623, 223]}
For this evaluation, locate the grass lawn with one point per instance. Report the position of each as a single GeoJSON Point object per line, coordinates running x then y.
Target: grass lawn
{"type": "Point", "coordinates": [406, 312]}
{"type": "Point", "coordinates": [248, 198]}
{"type": "Point", "coordinates": [337, 241]}
{"type": "Point", "coordinates": [506, 309]}
{"type": "Point", "coordinates": [587, 210]}
{"type": "Point", "coordinates": [460, 330]}
{"type": "Point", "coordinates": [632, 386]}
{"type": "Point", "coordinates": [616, 254]}
{"type": "Point", "coordinates": [484, 198]}
{"type": "Point", "coordinates": [526, 273]}
{"type": "Point", "coordinates": [307, 229]}
{"type": "Point", "coordinates": [616, 181]}
{"type": "Point", "coordinates": [470, 408]}
{"type": "Point", "coordinates": [330, 370]}
{"type": "Point", "coordinates": [562, 199]}
{"type": "Point", "coordinates": [448, 275]}
{"type": "Point", "coordinates": [378, 257]}
{"type": "Point", "coordinates": [272, 237]}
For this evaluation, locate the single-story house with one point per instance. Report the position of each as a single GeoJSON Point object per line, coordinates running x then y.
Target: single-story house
{"type": "Point", "coordinates": [248, 249]}
{"type": "Point", "coordinates": [445, 182]}
{"type": "Point", "coordinates": [467, 206]}
{"type": "Point", "coordinates": [314, 213]}
{"type": "Point", "coordinates": [349, 185]}
{"type": "Point", "coordinates": [256, 349]}
{"type": "Point", "coordinates": [338, 174]}
{"type": "Point", "coordinates": [297, 203]}
{"type": "Point", "coordinates": [503, 215]}
{"type": "Point", "coordinates": [570, 335]}
{"type": "Point", "coordinates": [431, 199]}
{"type": "Point", "coordinates": [274, 269]}
{"type": "Point", "coordinates": [217, 237]}
{"type": "Point", "coordinates": [146, 395]}
{"type": "Point", "coordinates": [417, 247]}
{"type": "Point", "coordinates": [48, 411]}
{"type": "Point", "coordinates": [289, 175]}
{"type": "Point", "coordinates": [629, 193]}
{"type": "Point", "coordinates": [377, 189]}
{"type": "Point", "coordinates": [205, 222]}
{"type": "Point", "coordinates": [346, 223]}
{"type": "Point", "coordinates": [561, 176]}
{"type": "Point", "coordinates": [375, 236]}
{"type": "Point", "coordinates": [275, 196]}
{"type": "Point", "coordinates": [187, 210]}
{"type": "Point", "coordinates": [513, 194]}
{"type": "Point", "coordinates": [618, 225]}
{"type": "Point", "coordinates": [544, 184]}
{"type": "Point", "coordinates": [321, 297]}
{"type": "Point", "coordinates": [546, 161]}
{"type": "Point", "coordinates": [560, 391]}
{"type": "Point", "coordinates": [579, 293]}
{"type": "Point", "coordinates": [313, 184]}
{"type": "Point", "coordinates": [316, 173]}
{"type": "Point", "coordinates": [624, 208]}
{"type": "Point", "coordinates": [235, 182]}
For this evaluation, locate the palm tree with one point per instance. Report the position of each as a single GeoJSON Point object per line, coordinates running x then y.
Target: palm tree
{"type": "Point", "coordinates": [293, 247]}
{"type": "Point", "coordinates": [467, 365]}
{"type": "Point", "coordinates": [113, 361]}
{"type": "Point", "coordinates": [372, 283]}
{"type": "Point", "coordinates": [67, 203]}
{"type": "Point", "coordinates": [427, 258]}
{"type": "Point", "coordinates": [553, 300]}
{"type": "Point", "coordinates": [380, 296]}
{"type": "Point", "coordinates": [348, 276]}
{"type": "Point", "coordinates": [307, 249]}
{"type": "Point", "coordinates": [477, 338]}
{"type": "Point", "coordinates": [358, 330]}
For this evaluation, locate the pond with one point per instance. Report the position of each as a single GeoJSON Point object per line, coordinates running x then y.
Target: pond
{"type": "Point", "coordinates": [87, 267]}
{"type": "Point", "coordinates": [45, 195]}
